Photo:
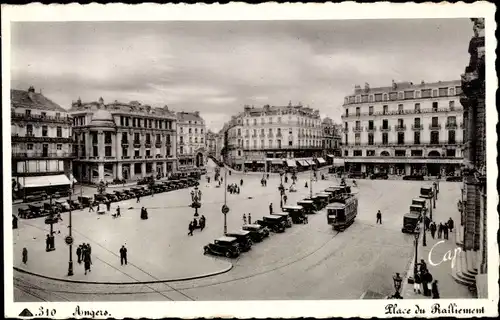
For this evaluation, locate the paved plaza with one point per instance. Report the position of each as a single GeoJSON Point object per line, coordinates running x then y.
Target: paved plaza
{"type": "Point", "coordinates": [306, 262]}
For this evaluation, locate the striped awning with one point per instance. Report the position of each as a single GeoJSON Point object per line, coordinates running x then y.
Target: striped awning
{"type": "Point", "coordinates": [321, 160]}
{"type": "Point", "coordinates": [310, 162]}
{"type": "Point", "coordinates": [290, 163]}
{"type": "Point", "coordinates": [330, 155]}
{"type": "Point", "coordinates": [45, 181]}
{"type": "Point", "coordinates": [303, 163]}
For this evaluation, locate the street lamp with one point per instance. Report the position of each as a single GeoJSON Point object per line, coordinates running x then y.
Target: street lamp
{"type": "Point", "coordinates": [225, 208]}
{"type": "Point", "coordinates": [69, 240]}
{"type": "Point", "coordinates": [196, 198]}
{"type": "Point", "coordinates": [417, 235]}
{"type": "Point", "coordinates": [397, 286]}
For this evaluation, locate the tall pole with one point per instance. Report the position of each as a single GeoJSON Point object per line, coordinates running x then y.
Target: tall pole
{"type": "Point", "coordinates": [225, 200]}
{"type": "Point", "coordinates": [416, 256]}
{"type": "Point", "coordinates": [311, 183]}
{"type": "Point", "coordinates": [70, 263]}
{"type": "Point", "coordinates": [424, 239]}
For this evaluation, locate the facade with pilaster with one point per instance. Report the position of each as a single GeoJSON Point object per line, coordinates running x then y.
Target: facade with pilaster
{"type": "Point", "coordinates": [122, 141]}
{"type": "Point", "coordinates": [474, 209]}
{"type": "Point", "coordinates": [258, 138]}
{"type": "Point", "coordinates": [41, 143]}
{"type": "Point", "coordinates": [331, 139]}
{"type": "Point", "coordinates": [191, 138]}
{"type": "Point", "coordinates": [404, 129]}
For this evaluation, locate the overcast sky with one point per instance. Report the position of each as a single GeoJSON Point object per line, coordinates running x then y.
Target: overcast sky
{"type": "Point", "coordinates": [217, 67]}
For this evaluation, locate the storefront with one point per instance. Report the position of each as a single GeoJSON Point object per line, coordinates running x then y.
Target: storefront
{"type": "Point", "coordinates": [291, 166]}
{"type": "Point", "coordinates": [321, 162]}
{"type": "Point", "coordinates": [275, 165]}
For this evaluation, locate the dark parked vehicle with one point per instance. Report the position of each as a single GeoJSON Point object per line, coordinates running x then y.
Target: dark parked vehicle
{"type": "Point", "coordinates": [85, 201]}
{"type": "Point", "coordinates": [137, 192]}
{"type": "Point", "coordinates": [415, 177]}
{"type": "Point", "coordinates": [223, 246]}
{"type": "Point", "coordinates": [307, 205]}
{"type": "Point", "coordinates": [121, 195]}
{"type": "Point", "coordinates": [75, 205]}
{"type": "Point", "coordinates": [454, 179]}
{"type": "Point", "coordinates": [274, 223]}
{"type": "Point", "coordinates": [130, 193]}
{"type": "Point", "coordinates": [51, 208]}
{"type": "Point", "coordinates": [356, 175]}
{"type": "Point", "coordinates": [411, 222]}
{"type": "Point", "coordinates": [257, 232]}
{"type": "Point", "coordinates": [24, 213]}
{"type": "Point", "coordinates": [101, 198]}
{"type": "Point", "coordinates": [244, 240]}
{"type": "Point", "coordinates": [111, 197]}
{"type": "Point", "coordinates": [63, 205]}
{"type": "Point", "coordinates": [36, 196]}
{"type": "Point", "coordinates": [37, 210]}
{"type": "Point", "coordinates": [296, 213]}
{"type": "Point", "coordinates": [379, 175]}
{"type": "Point", "coordinates": [285, 218]}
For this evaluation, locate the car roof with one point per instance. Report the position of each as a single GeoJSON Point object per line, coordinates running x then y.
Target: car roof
{"type": "Point", "coordinates": [416, 206]}
{"type": "Point", "coordinates": [228, 239]}
{"type": "Point", "coordinates": [253, 225]}
{"type": "Point", "coordinates": [305, 201]}
{"type": "Point", "coordinates": [271, 217]}
{"type": "Point", "coordinates": [411, 215]}
{"type": "Point", "coordinates": [239, 232]}
{"type": "Point", "coordinates": [323, 194]}
{"type": "Point", "coordinates": [280, 213]}
{"type": "Point", "coordinates": [293, 207]}
{"type": "Point", "coordinates": [336, 205]}
{"type": "Point", "coordinates": [419, 200]}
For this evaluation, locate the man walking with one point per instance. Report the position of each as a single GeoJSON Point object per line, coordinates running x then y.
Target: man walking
{"type": "Point", "coordinates": [435, 290]}
{"type": "Point", "coordinates": [445, 231]}
{"type": "Point", "coordinates": [25, 255]}
{"type": "Point", "coordinates": [270, 208]}
{"type": "Point", "coordinates": [79, 253]}
{"type": "Point", "coordinates": [108, 206]}
{"type": "Point", "coordinates": [285, 198]}
{"type": "Point", "coordinates": [190, 228]}
{"type": "Point", "coordinates": [451, 224]}
{"type": "Point", "coordinates": [379, 217]}
{"type": "Point", "coordinates": [123, 255]}
{"type": "Point", "coordinates": [249, 218]}
{"type": "Point", "coordinates": [440, 230]}
{"type": "Point", "coordinates": [202, 222]}
{"type": "Point", "coordinates": [244, 219]}
{"type": "Point", "coordinates": [432, 227]}
{"type": "Point", "coordinates": [138, 198]}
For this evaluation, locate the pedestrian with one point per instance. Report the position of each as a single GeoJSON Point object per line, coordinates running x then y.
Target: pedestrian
{"type": "Point", "coordinates": [451, 224]}
{"type": "Point", "coordinates": [118, 213]}
{"type": "Point", "coordinates": [86, 264]}
{"type": "Point", "coordinates": [270, 208]}
{"type": "Point", "coordinates": [427, 222]}
{"type": "Point", "coordinates": [190, 233]}
{"type": "Point", "coordinates": [281, 203]}
{"type": "Point", "coordinates": [286, 179]}
{"type": "Point", "coordinates": [89, 252]}
{"type": "Point", "coordinates": [138, 199]}
{"type": "Point", "coordinates": [249, 218]}
{"type": "Point", "coordinates": [432, 227]}
{"type": "Point", "coordinates": [241, 182]}
{"type": "Point", "coordinates": [195, 223]}
{"type": "Point", "coordinates": [445, 231]}
{"type": "Point", "coordinates": [285, 198]}
{"type": "Point", "coordinates": [305, 186]}
{"type": "Point", "coordinates": [426, 283]}
{"type": "Point", "coordinates": [123, 255]}
{"type": "Point", "coordinates": [423, 267]}
{"type": "Point", "coordinates": [91, 206]}
{"type": "Point", "coordinates": [435, 290]}
{"type": "Point", "coordinates": [417, 284]}
{"type": "Point", "coordinates": [268, 176]}
{"type": "Point", "coordinates": [79, 253]}
{"type": "Point", "coordinates": [379, 217]}
{"type": "Point", "coordinates": [244, 219]}
{"type": "Point", "coordinates": [208, 179]}
{"type": "Point", "coordinates": [202, 222]}
{"type": "Point", "coordinates": [440, 230]}
{"type": "Point", "coordinates": [47, 243]}
{"type": "Point", "coordinates": [108, 206]}
{"type": "Point", "coordinates": [25, 255]}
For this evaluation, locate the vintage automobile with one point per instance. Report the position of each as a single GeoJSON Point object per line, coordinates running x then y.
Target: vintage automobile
{"type": "Point", "coordinates": [418, 209]}
{"type": "Point", "coordinates": [342, 212]}
{"type": "Point", "coordinates": [379, 175]}
{"type": "Point", "coordinates": [243, 237]}
{"type": "Point", "coordinates": [274, 223]}
{"type": "Point", "coordinates": [257, 232]}
{"type": "Point", "coordinates": [325, 198]}
{"type": "Point", "coordinates": [296, 213]}
{"type": "Point", "coordinates": [37, 210]}
{"type": "Point", "coordinates": [286, 218]}
{"type": "Point", "coordinates": [85, 201]}
{"type": "Point", "coordinates": [51, 208]}
{"type": "Point", "coordinates": [24, 213]}
{"type": "Point", "coordinates": [36, 196]}
{"type": "Point", "coordinates": [75, 205]}
{"type": "Point", "coordinates": [411, 222]}
{"type": "Point", "coordinates": [121, 195]}
{"type": "Point", "coordinates": [130, 194]}
{"type": "Point", "coordinates": [318, 202]}
{"type": "Point", "coordinates": [63, 205]}
{"type": "Point", "coordinates": [419, 202]}
{"type": "Point", "coordinates": [101, 198]}
{"type": "Point", "coordinates": [223, 246]}
{"type": "Point", "coordinates": [414, 177]}
{"type": "Point", "coordinates": [111, 197]}
{"type": "Point", "coordinates": [307, 205]}
{"type": "Point", "coordinates": [356, 175]}
{"type": "Point", "coordinates": [137, 191]}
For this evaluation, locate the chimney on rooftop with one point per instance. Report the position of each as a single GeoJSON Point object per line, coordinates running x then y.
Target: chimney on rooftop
{"type": "Point", "coordinates": [31, 89]}
{"type": "Point", "coordinates": [394, 85]}
{"type": "Point", "coordinates": [197, 113]}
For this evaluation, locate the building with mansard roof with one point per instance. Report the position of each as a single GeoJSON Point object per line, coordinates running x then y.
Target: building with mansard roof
{"type": "Point", "coordinates": [404, 129]}
{"type": "Point", "coordinates": [191, 139]}
{"type": "Point", "coordinates": [41, 144]}
{"type": "Point", "coordinates": [122, 141]}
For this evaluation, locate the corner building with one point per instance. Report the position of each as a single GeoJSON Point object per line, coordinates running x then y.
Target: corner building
{"type": "Point", "coordinates": [126, 141]}
{"type": "Point", "coordinates": [41, 144]}
{"type": "Point", "coordinates": [404, 129]}
{"type": "Point", "coordinates": [261, 139]}
{"type": "Point", "coordinates": [191, 132]}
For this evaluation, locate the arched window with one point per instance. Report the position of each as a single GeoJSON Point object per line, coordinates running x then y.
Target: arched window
{"type": "Point", "coordinates": [384, 97]}
{"type": "Point", "coordinates": [434, 154]}
{"type": "Point", "coordinates": [385, 154]}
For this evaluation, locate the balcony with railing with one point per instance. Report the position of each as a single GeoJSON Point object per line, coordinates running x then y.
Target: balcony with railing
{"type": "Point", "coordinates": [125, 142]}
{"type": "Point", "coordinates": [159, 156]}
{"type": "Point", "coordinates": [417, 127]}
{"type": "Point", "coordinates": [385, 129]}
{"type": "Point", "coordinates": [41, 155]}
{"type": "Point", "coordinates": [277, 148]}
{"type": "Point", "coordinates": [109, 158]}
{"type": "Point", "coordinates": [371, 129]}
{"type": "Point", "coordinates": [149, 157]}
{"type": "Point", "coordinates": [434, 126]}
{"type": "Point", "coordinates": [434, 144]}
{"type": "Point", "coordinates": [357, 129]}
{"type": "Point", "coordinates": [137, 157]}
{"type": "Point", "coordinates": [125, 157]}
{"type": "Point", "coordinates": [30, 137]}
{"type": "Point", "coordinates": [40, 118]}
{"type": "Point", "coordinates": [148, 144]}
{"type": "Point", "coordinates": [403, 112]}
{"type": "Point", "coordinates": [451, 126]}
{"type": "Point", "coordinates": [400, 128]}
{"type": "Point", "coordinates": [137, 144]}
{"type": "Point", "coordinates": [279, 135]}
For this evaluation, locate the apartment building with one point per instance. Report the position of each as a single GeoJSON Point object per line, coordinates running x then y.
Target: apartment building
{"type": "Point", "coordinates": [191, 133]}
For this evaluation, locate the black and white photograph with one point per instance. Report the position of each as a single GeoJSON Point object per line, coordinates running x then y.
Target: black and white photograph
{"type": "Point", "coordinates": [302, 158]}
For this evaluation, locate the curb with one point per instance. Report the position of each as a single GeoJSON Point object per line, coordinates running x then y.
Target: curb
{"type": "Point", "coordinates": [227, 269]}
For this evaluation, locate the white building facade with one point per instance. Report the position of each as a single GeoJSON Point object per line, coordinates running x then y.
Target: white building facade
{"type": "Point", "coordinates": [404, 129]}
{"type": "Point", "coordinates": [191, 139]}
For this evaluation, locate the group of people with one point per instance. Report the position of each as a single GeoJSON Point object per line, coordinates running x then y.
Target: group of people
{"type": "Point", "coordinates": [144, 213]}
{"type": "Point", "coordinates": [249, 218]}
{"type": "Point", "coordinates": [84, 254]}
{"type": "Point", "coordinates": [443, 229]}
{"type": "Point", "coordinates": [233, 188]}
{"type": "Point", "coordinates": [423, 281]}
{"type": "Point", "coordinates": [194, 224]}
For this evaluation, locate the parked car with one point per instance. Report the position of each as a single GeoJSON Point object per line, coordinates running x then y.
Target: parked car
{"type": "Point", "coordinates": [36, 196]}
{"type": "Point", "coordinates": [356, 175]}
{"type": "Point", "coordinates": [63, 205]}
{"type": "Point", "coordinates": [120, 195]}
{"type": "Point", "coordinates": [285, 218]}
{"type": "Point", "coordinates": [454, 179]}
{"type": "Point", "coordinates": [257, 232]}
{"type": "Point", "coordinates": [85, 201]}
{"type": "Point", "coordinates": [414, 177]}
{"type": "Point", "coordinates": [379, 175]}
{"type": "Point", "coordinates": [274, 223]}
{"type": "Point", "coordinates": [244, 240]}
{"type": "Point", "coordinates": [37, 210]}
{"type": "Point", "coordinates": [24, 213]}
{"type": "Point", "coordinates": [101, 198]}
{"type": "Point", "coordinates": [75, 205]}
{"type": "Point", "coordinates": [223, 246]}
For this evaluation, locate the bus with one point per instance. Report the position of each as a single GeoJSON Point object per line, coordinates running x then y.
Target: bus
{"type": "Point", "coordinates": [342, 211]}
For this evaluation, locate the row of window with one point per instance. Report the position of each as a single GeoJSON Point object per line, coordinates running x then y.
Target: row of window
{"type": "Point", "coordinates": [45, 147]}
{"type": "Point", "coordinates": [312, 133]}
{"type": "Point", "coordinates": [434, 138]}
{"type": "Point", "coordinates": [191, 131]}
{"type": "Point", "coordinates": [400, 153]}
{"type": "Point", "coordinates": [301, 143]}
{"type": "Point", "coordinates": [33, 166]}
{"type": "Point", "coordinates": [417, 122]}
{"type": "Point", "coordinates": [301, 121]}
{"type": "Point", "coordinates": [146, 123]}
{"type": "Point", "coordinates": [181, 139]}
{"type": "Point", "coordinates": [45, 131]}
{"type": "Point", "coordinates": [401, 109]}
{"type": "Point", "coordinates": [108, 138]}
{"type": "Point", "coordinates": [28, 113]}
{"type": "Point", "coordinates": [402, 95]}
{"type": "Point", "coordinates": [108, 152]}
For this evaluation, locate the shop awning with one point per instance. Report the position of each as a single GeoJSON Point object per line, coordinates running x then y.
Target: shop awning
{"type": "Point", "coordinates": [72, 178]}
{"type": "Point", "coordinates": [303, 163]}
{"type": "Point", "coordinates": [321, 160]}
{"type": "Point", "coordinates": [277, 161]}
{"type": "Point", "coordinates": [45, 181]}
{"type": "Point", "coordinates": [290, 163]}
{"type": "Point", "coordinates": [260, 161]}
{"type": "Point", "coordinates": [338, 163]}
{"type": "Point", "coordinates": [248, 162]}
{"type": "Point", "coordinates": [330, 155]}
{"type": "Point", "coordinates": [310, 162]}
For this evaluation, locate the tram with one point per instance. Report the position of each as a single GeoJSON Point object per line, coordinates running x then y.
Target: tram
{"type": "Point", "coordinates": [342, 211]}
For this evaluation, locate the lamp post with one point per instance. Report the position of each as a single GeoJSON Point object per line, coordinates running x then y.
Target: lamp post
{"type": "Point", "coordinates": [311, 183]}
{"type": "Point", "coordinates": [225, 208]}
{"type": "Point", "coordinates": [397, 286]}
{"type": "Point", "coordinates": [70, 240]}
{"type": "Point", "coordinates": [417, 235]}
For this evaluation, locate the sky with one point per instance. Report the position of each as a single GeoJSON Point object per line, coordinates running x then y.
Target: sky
{"type": "Point", "coordinates": [217, 67]}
